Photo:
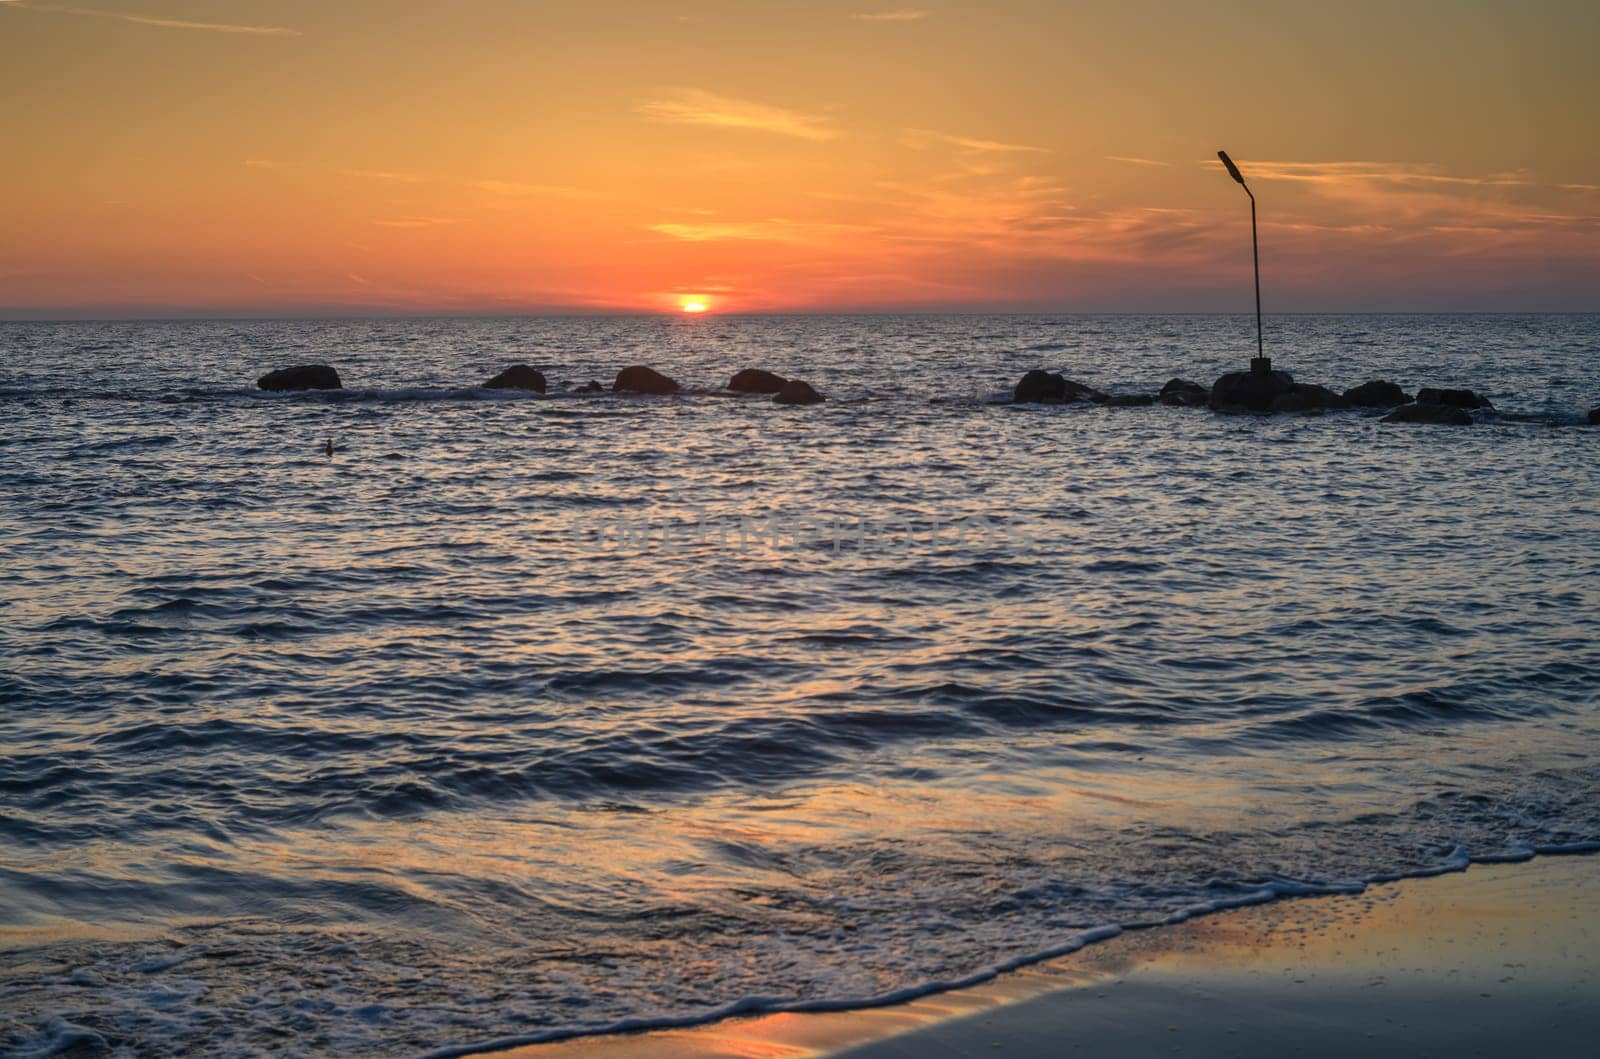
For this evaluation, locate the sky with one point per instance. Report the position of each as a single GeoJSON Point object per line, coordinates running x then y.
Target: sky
{"type": "Point", "coordinates": [271, 157]}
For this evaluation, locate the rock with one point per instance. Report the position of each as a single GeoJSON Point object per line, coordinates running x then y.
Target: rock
{"type": "Point", "coordinates": [1184, 394]}
{"type": "Point", "coordinates": [1452, 398]}
{"type": "Point", "coordinates": [1248, 391]}
{"type": "Point", "coordinates": [755, 380]}
{"type": "Point", "coordinates": [517, 377]}
{"type": "Point", "coordinates": [1594, 417]}
{"type": "Point", "coordinates": [1379, 393]}
{"type": "Point", "coordinates": [1039, 386]}
{"type": "Point", "coordinates": [1307, 397]}
{"type": "Point", "coordinates": [591, 387]}
{"type": "Point", "coordinates": [1428, 413]}
{"type": "Point", "coordinates": [304, 377]}
{"type": "Point", "coordinates": [639, 379]}
{"type": "Point", "coordinates": [1044, 387]}
{"type": "Point", "coordinates": [796, 392]}
{"type": "Point", "coordinates": [1129, 400]}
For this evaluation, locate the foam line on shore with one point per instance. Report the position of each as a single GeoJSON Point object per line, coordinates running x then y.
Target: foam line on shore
{"type": "Point", "coordinates": [1458, 860]}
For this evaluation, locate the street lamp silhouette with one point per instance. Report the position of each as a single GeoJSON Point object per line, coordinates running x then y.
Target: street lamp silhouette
{"type": "Point", "coordinates": [1261, 364]}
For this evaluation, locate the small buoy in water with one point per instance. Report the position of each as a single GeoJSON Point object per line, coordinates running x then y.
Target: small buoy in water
{"type": "Point", "coordinates": [327, 448]}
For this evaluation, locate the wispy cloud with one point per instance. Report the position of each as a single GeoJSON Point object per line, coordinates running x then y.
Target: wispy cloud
{"type": "Point", "coordinates": [159, 23]}
{"type": "Point", "coordinates": [903, 14]}
{"type": "Point", "coordinates": [1411, 200]}
{"type": "Point", "coordinates": [503, 188]}
{"type": "Point", "coordinates": [1137, 161]}
{"type": "Point", "coordinates": [1386, 172]}
{"type": "Point", "coordinates": [413, 222]}
{"type": "Point", "coordinates": [922, 138]}
{"type": "Point", "coordinates": [1019, 215]}
{"type": "Point", "coordinates": [516, 189]}
{"type": "Point", "coordinates": [775, 230]}
{"type": "Point", "coordinates": [693, 106]}
{"type": "Point", "coordinates": [384, 176]}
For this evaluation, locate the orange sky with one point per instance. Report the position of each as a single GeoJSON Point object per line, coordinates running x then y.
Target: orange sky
{"type": "Point", "coordinates": [288, 156]}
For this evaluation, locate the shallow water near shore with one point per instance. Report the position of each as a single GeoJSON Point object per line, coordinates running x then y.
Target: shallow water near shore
{"type": "Point", "coordinates": [391, 752]}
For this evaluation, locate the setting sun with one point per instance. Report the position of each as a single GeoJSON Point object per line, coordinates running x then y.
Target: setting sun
{"type": "Point", "coordinates": [974, 615]}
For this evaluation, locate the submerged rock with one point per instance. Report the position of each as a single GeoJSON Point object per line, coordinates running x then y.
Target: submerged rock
{"type": "Point", "coordinates": [1594, 417]}
{"type": "Point", "coordinates": [591, 387]}
{"type": "Point", "coordinates": [1045, 387]}
{"type": "Point", "coordinates": [1249, 391]}
{"type": "Point", "coordinates": [1184, 394]}
{"type": "Point", "coordinates": [1379, 393]}
{"type": "Point", "coordinates": [1429, 413]}
{"type": "Point", "coordinates": [640, 379]}
{"type": "Point", "coordinates": [756, 380]}
{"type": "Point", "coordinates": [517, 377]}
{"type": "Point", "coordinates": [796, 392]}
{"type": "Point", "coordinates": [1307, 397]}
{"type": "Point", "coordinates": [1452, 398]}
{"type": "Point", "coordinates": [1129, 400]}
{"type": "Point", "coordinates": [303, 377]}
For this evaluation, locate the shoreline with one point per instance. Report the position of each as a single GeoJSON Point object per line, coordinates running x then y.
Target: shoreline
{"type": "Point", "coordinates": [1328, 936]}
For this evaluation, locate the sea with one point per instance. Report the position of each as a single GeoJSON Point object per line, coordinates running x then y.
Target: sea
{"type": "Point", "coordinates": [528, 716]}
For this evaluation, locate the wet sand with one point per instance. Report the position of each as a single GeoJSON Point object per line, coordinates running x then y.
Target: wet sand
{"type": "Point", "coordinates": [1496, 960]}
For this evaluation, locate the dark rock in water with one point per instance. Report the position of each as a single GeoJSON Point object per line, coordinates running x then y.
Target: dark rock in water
{"type": "Point", "coordinates": [1249, 391]}
{"type": "Point", "coordinates": [639, 379]}
{"type": "Point", "coordinates": [591, 387]}
{"type": "Point", "coordinates": [304, 377]}
{"type": "Point", "coordinates": [1044, 387]}
{"type": "Point", "coordinates": [1038, 386]}
{"type": "Point", "coordinates": [1429, 413]}
{"type": "Point", "coordinates": [1307, 397]}
{"type": "Point", "coordinates": [517, 377]}
{"type": "Point", "coordinates": [1594, 417]}
{"type": "Point", "coordinates": [755, 380]}
{"type": "Point", "coordinates": [1379, 393]}
{"type": "Point", "coordinates": [1452, 398]}
{"type": "Point", "coordinates": [1184, 394]}
{"type": "Point", "coordinates": [796, 392]}
{"type": "Point", "coordinates": [1129, 400]}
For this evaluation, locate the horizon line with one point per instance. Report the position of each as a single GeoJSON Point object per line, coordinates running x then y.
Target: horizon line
{"type": "Point", "coordinates": [28, 317]}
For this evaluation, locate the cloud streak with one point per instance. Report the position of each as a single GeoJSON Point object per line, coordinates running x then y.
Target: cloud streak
{"type": "Point", "coordinates": [920, 139]}
{"type": "Point", "coordinates": [773, 230]}
{"type": "Point", "coordinates": [158, 23]}
{"type": "Point", "coordinates": [1386, 172]}
{"type": "Point", "coordinates": [1406, 204]}
{"type": "Point", "coordinates": [383, 176]}
{"type": "Point", "coordinates": [903, 14]}
{"type": "Point", "coordinates": [693, 106]}
{"type": "Point", "coordinates": [517, 189]}
{"type": "Point", "coordinates": [413, 222]}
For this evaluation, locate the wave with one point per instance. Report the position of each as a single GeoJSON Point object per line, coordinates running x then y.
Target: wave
{"type": "Point", "coordinates": [1458, 860]}
{"type": "Point", "coordinates": [380, 716]}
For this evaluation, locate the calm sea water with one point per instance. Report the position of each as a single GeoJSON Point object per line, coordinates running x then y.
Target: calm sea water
{"type": "Point", "coordinates": [382, 754]}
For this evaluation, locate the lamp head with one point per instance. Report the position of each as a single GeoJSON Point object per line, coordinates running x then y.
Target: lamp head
{"type": "Point", "coordinates": [1233, 170]}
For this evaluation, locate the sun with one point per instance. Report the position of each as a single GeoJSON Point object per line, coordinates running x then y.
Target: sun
{"type": "Point", "coordinates": [693, 303]}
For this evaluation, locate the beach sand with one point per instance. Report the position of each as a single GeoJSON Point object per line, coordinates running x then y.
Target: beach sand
{"type": "Point", "coordinates": [1497, 960]}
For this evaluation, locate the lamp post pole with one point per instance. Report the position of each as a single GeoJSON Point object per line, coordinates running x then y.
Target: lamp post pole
{"type": "Point", "coordinates": [1262, 364]}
